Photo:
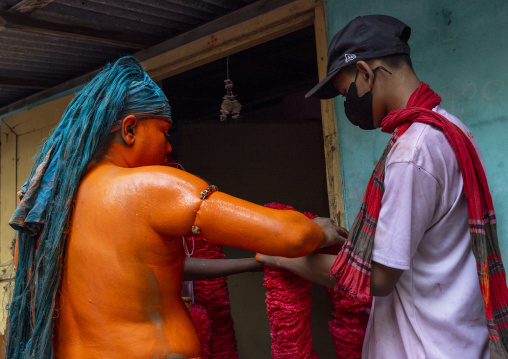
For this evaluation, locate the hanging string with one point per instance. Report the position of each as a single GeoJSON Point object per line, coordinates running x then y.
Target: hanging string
{"type": "Point", "coordinates": [189, 254]}
{"type": "Point", "coordinates": [230, 107]}
{"type": "Point", "coordinates": [227, 68]}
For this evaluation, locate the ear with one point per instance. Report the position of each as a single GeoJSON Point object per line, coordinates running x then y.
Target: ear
{"type": "Point", "coordinates": [129, 123]}
{"type": "Point", "coordinates": [366, 72]}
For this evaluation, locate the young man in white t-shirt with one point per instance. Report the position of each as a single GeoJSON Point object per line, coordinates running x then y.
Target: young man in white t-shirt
{"type": "Point", "coordinates": [427, 299]}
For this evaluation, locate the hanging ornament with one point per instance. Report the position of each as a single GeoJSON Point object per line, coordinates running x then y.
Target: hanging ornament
{"type": "Point", "coordinates": [230, 106]}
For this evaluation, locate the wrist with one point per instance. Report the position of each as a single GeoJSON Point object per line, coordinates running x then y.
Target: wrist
{"type": "Point", "coordinates": [266, 260]}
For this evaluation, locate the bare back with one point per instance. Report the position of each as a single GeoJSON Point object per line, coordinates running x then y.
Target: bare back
{"type": "Point", "coordinates": [123, 265]}
{"type": "Point", "coordinates": [120, 294]}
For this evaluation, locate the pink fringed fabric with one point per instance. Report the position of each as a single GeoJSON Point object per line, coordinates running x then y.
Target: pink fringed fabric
{"type": "Point", "coordinates": [213, 295]}
{"type": "Point", "coordinates": [288, 314]}
{"type": "Point", "coordinates": [288, 303]}
{"type": "Point", "coordinates": [202, 323]}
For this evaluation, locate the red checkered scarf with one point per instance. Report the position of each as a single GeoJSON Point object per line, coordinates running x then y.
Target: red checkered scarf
{"type": "Point", "coordinates": [352, 267]}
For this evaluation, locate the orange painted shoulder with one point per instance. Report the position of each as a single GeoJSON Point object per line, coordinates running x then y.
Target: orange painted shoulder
{"type": "Point", "coordinates": [170, 197]}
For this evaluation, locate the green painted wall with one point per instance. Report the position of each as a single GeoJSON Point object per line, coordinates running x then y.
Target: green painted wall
{"type": "Point", "coordinates": [459, 47]}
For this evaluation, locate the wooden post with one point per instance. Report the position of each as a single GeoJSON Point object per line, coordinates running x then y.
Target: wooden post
{"type": "Point", "coordinates": [333, 175]}
{"type": "Point", "coordinates": [8, 191]}
{"type": "Point", "coordinates": [8, 201]}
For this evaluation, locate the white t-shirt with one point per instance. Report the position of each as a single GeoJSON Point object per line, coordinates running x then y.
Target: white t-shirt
{"type": "Point", "coordinates": [436, 309]}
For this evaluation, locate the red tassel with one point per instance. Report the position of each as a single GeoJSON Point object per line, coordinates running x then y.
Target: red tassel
{"type": "Point", "coordinates": [202, 323]}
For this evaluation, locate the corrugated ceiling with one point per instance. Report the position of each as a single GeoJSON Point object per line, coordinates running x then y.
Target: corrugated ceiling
{"type": "Point", "coordinates": [44, 46]}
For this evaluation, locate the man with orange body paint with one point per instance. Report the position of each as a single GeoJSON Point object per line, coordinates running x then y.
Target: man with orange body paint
{"type": "Point", "coordinates": [123, 259]}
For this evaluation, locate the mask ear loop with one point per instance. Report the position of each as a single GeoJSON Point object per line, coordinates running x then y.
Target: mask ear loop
{"type": "Point", "coordinates": [379, 67]}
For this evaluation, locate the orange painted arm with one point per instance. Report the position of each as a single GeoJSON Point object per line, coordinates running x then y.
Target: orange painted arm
{"type": "Point", "coordinates": [172, 200]}
{"type": "Point", "coordinates": [230, 221]}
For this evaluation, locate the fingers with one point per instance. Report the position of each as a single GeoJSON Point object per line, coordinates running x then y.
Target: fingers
{"type": "Point", "coordinates": [342, 231]}
{"type": "Point", "coordinates": [325, 223]}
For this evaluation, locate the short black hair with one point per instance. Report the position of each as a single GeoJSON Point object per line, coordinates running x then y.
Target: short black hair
{"type": "Point", "coordinates": [397, 61]}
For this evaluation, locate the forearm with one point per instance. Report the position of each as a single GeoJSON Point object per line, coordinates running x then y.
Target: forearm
{"type": "Point", "coordinates": [203, 268]}
{"type": "Point", "coordinates": [314, 267]}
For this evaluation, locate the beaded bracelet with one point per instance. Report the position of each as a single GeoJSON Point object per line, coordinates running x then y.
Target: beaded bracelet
{"type": "Point", "coordinates": [207, 192]}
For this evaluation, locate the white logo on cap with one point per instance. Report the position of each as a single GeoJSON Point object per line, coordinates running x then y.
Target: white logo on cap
{"type": "Point", "coordinates": [350, 57]}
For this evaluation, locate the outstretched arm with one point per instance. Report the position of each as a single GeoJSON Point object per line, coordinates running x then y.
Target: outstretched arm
{"type": "Point", "coordinates": [177, 206]}
{"type": "Point", "coordinates": [314, 267]}
{"type": "Point", "coordinates": [205, 268]}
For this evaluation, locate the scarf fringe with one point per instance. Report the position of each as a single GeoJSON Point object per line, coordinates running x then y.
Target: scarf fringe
{"type": "Point", "coordinates": [203, 327]}
{"type": "Point", "coordinates": [348, 279]}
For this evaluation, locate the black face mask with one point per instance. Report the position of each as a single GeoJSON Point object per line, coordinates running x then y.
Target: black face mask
{"type": "Point", "coordinates": [359, 109]}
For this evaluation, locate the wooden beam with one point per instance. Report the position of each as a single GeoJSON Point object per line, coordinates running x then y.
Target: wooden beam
{"type": "Point", "coordinates": [333, 174]}
{"type": "Point", "coordinates": [28, 6]}
{"type": "Point", "coordinates": [18, 82]}
{"type": "Point", "coordinates": [246, 13]}
{"type": "Point", "coordinates": [74, 32]}
{"type": "Point", "coordinates": [275, 23]}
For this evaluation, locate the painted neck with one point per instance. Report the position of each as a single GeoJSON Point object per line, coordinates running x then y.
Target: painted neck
{"type": "Point", "coordinates": [116, 154]}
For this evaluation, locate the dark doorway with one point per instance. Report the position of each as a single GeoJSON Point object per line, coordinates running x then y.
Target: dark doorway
{"type": "Point", "coordinates": [272, 153]}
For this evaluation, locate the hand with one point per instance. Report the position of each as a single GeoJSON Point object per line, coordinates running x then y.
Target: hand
{"type": "Point", "coordinates": [271, 261]}
{"type": "Point", "coordinates": [333, 234]}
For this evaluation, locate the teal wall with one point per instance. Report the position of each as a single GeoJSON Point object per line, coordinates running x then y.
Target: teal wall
{"type": "Point", "coordinates": [460, 48]}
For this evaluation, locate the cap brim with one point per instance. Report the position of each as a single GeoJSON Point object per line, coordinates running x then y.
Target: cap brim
{"type": "Point", "coordinates": [324, 89]}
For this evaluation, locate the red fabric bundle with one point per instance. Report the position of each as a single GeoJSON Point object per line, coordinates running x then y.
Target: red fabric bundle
{"type": "Point", "coordinates": [288, 302]}
{"type": "Point", "coordinates": [213, 295]}
{"type": "Point", "coordinates": [202, 323]}
{"type": "Point", "coordinates": [288, 310]}
{"type": "Point", "coordinates": [288, 314]}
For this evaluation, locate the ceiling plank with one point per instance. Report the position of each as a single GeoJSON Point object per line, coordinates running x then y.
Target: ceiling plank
{"type": "Point", "coordinates": [18, 82]}
{"type": "Point", "coordinates": [70, 31]}
{"type": "Point", "coordinates": [28, 6]}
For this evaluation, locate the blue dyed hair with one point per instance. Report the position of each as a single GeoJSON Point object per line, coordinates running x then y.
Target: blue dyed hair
{"type": "Point", "coordinates": [119, 90]}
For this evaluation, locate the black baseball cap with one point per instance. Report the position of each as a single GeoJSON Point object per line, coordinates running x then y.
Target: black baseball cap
{"type": "Point", "coordinates": [364, 38]}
